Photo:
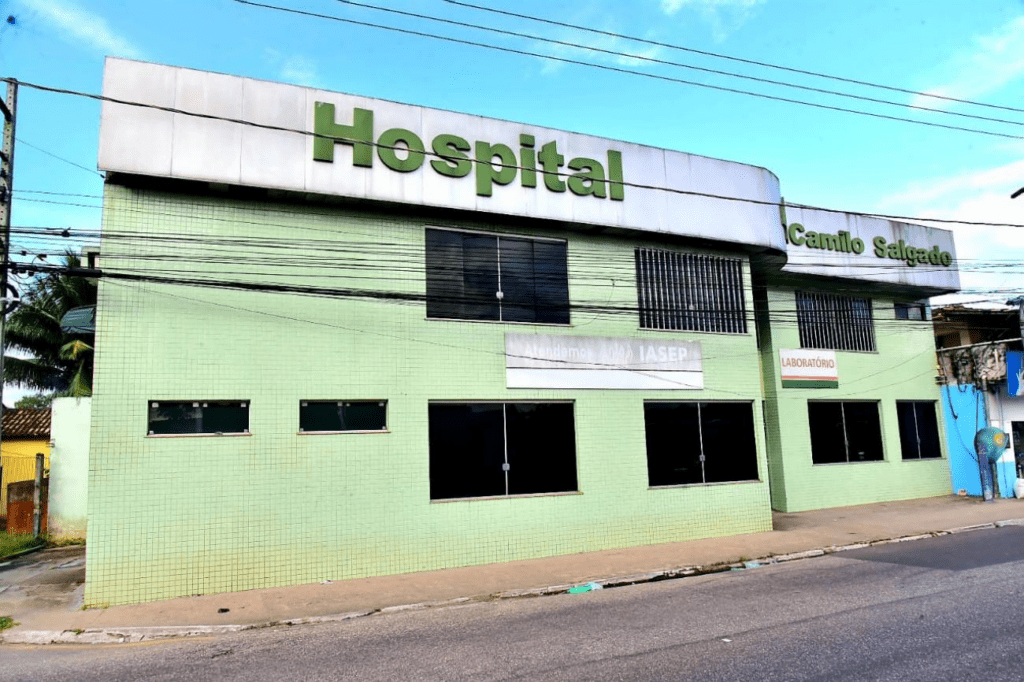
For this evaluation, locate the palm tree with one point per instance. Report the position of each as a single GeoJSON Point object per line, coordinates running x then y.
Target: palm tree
{"type": "Point", "coordinates": [57, 361]}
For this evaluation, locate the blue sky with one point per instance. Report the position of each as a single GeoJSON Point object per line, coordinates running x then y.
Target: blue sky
{"type": "Point", "coordinates": [966, 50]}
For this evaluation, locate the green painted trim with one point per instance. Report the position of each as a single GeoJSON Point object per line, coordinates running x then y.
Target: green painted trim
{"type": "Point", "coordinates": [809, 383]}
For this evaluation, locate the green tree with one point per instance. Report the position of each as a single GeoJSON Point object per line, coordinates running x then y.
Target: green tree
{"type": "Point", "coordinates": [56, 362]}
{"type": "Point", "coordinates": [37, 401]}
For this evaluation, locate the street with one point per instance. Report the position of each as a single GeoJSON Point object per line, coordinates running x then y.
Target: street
{"type": "Point", "coordinates": [943, 608]}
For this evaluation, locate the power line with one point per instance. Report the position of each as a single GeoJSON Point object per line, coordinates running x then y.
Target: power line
{"type": "Point", "coordinates": [665, 62]}
{"type": "Point", "coordinates": [59, 158]}
{"type": "Point", "coordinates": [625, 183]}
{"type": "Point", "coordinates": [733, 58]}
{"type": "Point", "coordinates": [606, 67]}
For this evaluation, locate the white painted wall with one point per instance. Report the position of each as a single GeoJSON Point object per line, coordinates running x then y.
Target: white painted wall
{"type": "Point", "coordinates": [69, 467]}
{"type": "Point", "coordinates": [148, 141]}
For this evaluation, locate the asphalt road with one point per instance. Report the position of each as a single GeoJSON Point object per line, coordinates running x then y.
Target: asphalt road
{"type": "Point", "coordinates": [938, 609]}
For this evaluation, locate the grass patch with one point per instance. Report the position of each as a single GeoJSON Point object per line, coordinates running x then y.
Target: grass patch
{"type": "Point", "coordinates": [6, 622]}
{"type": "Point", "coordinates": [10, 544]}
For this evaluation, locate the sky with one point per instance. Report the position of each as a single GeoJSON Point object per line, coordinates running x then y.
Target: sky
{"type": "Point", "coordinates": [972, 51]}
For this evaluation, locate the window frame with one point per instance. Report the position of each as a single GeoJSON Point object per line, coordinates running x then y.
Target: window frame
{"type": "Point", "coordinates": [835, 327]}
{"type": "Point", "coordinates": [933, 405]}
{"type": "Point", "coordinates": [151, 404]}
{"type": "Point", "coordinates": [905, 307]}
{"type": "Point", "coordinates": [666, 290]}
{"type": "Point", "coordinates": [703, 457]}
{"type": "Point", "coordinates": [498, 236]}
{"type": "Point", "coordinates": [504, 404]}
{"type": "Point", "coordinates": [381, 401]}
{"type": "Point", "coordinates": [846, 434]}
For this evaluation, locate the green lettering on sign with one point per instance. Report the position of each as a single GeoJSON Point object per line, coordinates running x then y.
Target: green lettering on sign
{"type": "Point", "coordinates": [493, 164]}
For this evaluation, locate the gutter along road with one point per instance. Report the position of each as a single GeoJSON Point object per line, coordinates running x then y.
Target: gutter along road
{"type": "Point", "coordinates": [940, 608]}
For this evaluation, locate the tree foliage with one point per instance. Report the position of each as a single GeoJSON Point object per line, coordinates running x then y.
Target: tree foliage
{"type": "Point", "coordinates": [56, 362]}
{"type": "Point", "coordinates": [37, 401]}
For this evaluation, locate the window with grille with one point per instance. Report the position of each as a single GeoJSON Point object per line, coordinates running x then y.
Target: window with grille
{"type": "Point", "coordinates": [919, 430]}
{"type": "Point", "coordinates": [834, 322]}
{"type": "Point", "coordinates": [844, 432]}
{"type": "Point", "coordinates": [690, 292]}
{"type": "Point", "coordinates": [473, 276]}
{"type": "Point", "coordinates": [500, 449]}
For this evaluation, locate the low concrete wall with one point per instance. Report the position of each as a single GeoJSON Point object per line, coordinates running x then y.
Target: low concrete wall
{"type": "Point", "coordinates": [69, 467]}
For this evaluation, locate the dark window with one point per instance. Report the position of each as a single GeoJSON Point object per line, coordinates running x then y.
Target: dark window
{"type": "Point", "coordinates": [498, 449]}
{"type": "Point", "coordinates": [910, 311]}
{"type": "Point", "coordinates": [187, 417]}
{"type": "Point", "coordinates": [844, 432]}
{"type": "Point", "coordinates": [485, 277]}
{"type": "Point", "coordinates": [919, 430]}
{"type": "Point", "coordinates": [834, 322]}
{"type": "Point", "coordinates": [690, 292]}
{"type": "Point", "coordinates": [700, 443]}
{"type": "Point", "coordinates": [343, 415]}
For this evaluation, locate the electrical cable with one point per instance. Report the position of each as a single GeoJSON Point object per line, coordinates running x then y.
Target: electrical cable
{"type": "Point", "coordinates": [665, 62]}
{"type": "Point", "coordinates": [616, 69]}
{"type": "Point", "coordinates": [718, 55]}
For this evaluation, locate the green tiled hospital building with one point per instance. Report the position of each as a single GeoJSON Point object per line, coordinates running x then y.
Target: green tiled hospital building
{"type": "Point", "coordinates": [342, 337]}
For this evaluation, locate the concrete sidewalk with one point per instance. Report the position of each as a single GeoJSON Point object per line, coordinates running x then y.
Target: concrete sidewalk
{"type": "Point", "coordinates": [43, 591]}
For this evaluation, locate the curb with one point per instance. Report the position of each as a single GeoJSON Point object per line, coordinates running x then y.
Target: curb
{"type": "Point", "coordinates": [141, 634]}
{"type": "Point", "coordinates": [23, 552]}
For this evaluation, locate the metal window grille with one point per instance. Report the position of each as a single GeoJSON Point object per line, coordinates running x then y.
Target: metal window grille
{"type": "Point", "coordinates": [690, 292]}
{"type": "Point", "coordinates": [834, 322]}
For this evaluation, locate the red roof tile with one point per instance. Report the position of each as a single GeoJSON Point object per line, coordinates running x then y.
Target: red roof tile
{"type": "Point", "coordinates": [26, 423]}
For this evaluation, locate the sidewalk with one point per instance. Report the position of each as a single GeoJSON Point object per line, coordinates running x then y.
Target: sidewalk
{"type": "Point", "coordinates": [43, 591]}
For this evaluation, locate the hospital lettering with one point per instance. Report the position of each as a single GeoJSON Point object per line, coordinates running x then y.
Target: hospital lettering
{"type": "Point", "coordinates": [493, 164]}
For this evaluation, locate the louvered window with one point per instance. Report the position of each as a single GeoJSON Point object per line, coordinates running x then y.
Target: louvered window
{"type": "Point", "coordinates": [473, 276]}
{"type": "Point", "coordinates": [834, 322]}
{"type": "Point", "coordinates": [690, 292]}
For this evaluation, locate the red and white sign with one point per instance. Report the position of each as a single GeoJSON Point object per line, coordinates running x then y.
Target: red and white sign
{"type": "Point", "coordinates": [809, 368]}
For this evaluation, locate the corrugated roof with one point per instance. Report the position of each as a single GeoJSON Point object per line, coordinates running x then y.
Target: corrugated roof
{"type": "Point", "coordinates": [26, 422]}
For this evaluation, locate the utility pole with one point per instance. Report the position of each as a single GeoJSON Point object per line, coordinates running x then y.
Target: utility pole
{"type": "Point", "coordinates": [9, 108]}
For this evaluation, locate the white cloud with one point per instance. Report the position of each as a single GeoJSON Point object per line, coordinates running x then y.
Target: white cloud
{"type": "Point", "coordinates": [724, 16]}
{"type": "Point", "coordinates": [989, 257]}
{"type": "Point", "coordinates": [296, 68]}
{"type": "Point", "coordinates": [78, 25]}
{"type": "Point", "coordinates": [300, 70]}
{"type": "Point", "coordinates": [630, 57]}
{"type": "Point", "coordinates": [993, 61]}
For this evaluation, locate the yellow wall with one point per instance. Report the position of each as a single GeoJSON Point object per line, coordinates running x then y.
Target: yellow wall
{"type": "Point", "coordinates": [19, 461]}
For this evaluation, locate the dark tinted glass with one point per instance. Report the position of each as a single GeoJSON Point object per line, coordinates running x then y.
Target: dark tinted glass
{"type": "Point", "coordinates": [480, 277]}
{"type": "Point", "coordinates": [863, 432]}
{"type": "Point", "coordinates": [462, 275]}
{"type": "Point", "coordinates": [730, 451]}
{"type": "Point", "coordinates": [364, 415]}
{"type": "Point", "coordinates": [204, 417]}
{"type": "Point", "coordinates": [673, 443]}
{"type": "Point", "coordinates": [519, 302]}
{"type": "Point", "coordinates": [541, 448]}
{"type": "Point", "coordinates": [467, 450]}
{"type": "Point", "coordinates": [445, 289]}
{"type": "Point", "coordinates": [552, 282]}
{"type": "Point", "coordinates": [908, 430]}
{"type": "Point", "coordinates": [828, 444]}
{"type": "Point", "coordinates": [928, 430]}
{"type": "Point", "coordinates": [167, 418]}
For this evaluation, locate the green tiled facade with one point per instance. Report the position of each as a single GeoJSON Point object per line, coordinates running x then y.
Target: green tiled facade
{"type": "Point", "coordinates": [173, 516]}
{"type": "Point", "coordinates": [901, 368]}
